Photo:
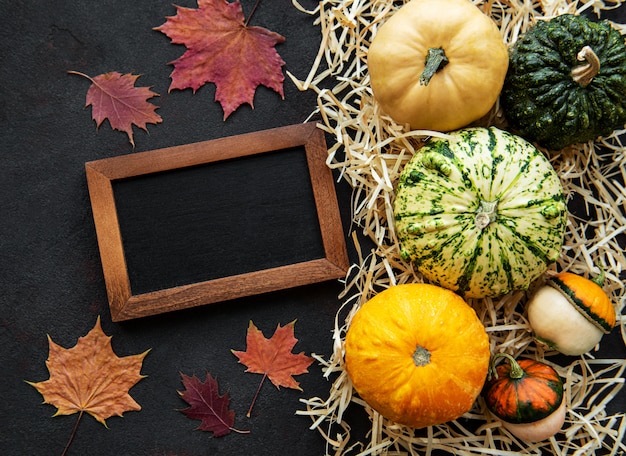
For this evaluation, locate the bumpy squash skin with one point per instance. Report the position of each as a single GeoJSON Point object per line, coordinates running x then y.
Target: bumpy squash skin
{"type": "Point", "coordinates": [482, 213]}
{"type": "Point", "coordinates": [541, 100]}
{"type": "Point", "coordinates": [463, 90]}
{"type": "Point", "coordinates": [417, 354]}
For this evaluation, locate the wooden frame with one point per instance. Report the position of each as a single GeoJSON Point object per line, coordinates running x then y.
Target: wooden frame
{"type": "Point", "coordinates": [102, 173]}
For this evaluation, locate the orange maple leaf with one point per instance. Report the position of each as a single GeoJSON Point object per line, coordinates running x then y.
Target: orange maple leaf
{"type": "Point", "coordinates": [223, 49]}
{"type": "Point", "coordinates": [114, 96]}
{"type": "Point", "coordinates": [90, 378]}
{"type": "Point", "coordinates": [273, 357]}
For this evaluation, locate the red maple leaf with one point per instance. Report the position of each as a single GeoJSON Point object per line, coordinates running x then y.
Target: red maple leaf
{"type": "Point", "coordinates": [114, 96]}
{"type": "Point", "coordinates": [224, 50]}
{"type": "Point", "coordinates": [273, 358]}
{"type": "Point", "coordinates": [207, 405]}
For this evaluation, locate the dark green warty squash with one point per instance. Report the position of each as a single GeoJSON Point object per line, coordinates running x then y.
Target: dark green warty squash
{"type": "Point", "coordinates": [566, 82]}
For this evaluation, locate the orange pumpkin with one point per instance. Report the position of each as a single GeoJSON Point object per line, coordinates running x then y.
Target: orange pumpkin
{"type": "Point", "coordinates": [523, 391]}
{"type": "Point", "coordinates": [527, 395]}
{"type": "Point", "coordinates": [417, 354]}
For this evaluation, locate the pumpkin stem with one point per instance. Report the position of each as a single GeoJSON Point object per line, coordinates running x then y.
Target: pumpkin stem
{"type": "Point", "coordinates": [435, 60]}
{"type": "Point", "coordinates": [421, 356]}
{"type": "Point", "coordinates": [486, 213]}
{"type": "Point", "coordinates": [599, 279]}
{"type": "Point", "coordinates": [516, 371]}
{"type": "Point", "coordinates": [584, 74]}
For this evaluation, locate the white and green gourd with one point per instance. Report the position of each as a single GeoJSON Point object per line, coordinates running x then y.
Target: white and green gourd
{"type": "Point", "coordinates": [481, 212]}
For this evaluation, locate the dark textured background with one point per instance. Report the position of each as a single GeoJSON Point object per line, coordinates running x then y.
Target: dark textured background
{"type": "Point", "coordinates": [49, 263]}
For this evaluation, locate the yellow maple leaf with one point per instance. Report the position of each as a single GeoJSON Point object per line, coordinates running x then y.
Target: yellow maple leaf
{"type": "Point", "coordinates": [90, 377]}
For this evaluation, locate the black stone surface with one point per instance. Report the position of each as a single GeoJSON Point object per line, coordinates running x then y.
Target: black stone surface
{"type": "Point", "coordinates": [50, 270]}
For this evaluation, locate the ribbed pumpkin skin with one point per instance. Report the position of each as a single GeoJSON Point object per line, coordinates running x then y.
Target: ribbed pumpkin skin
{"type": "Point", "coordinates": [541, 100]}
{"type": "Point", "coordinates": [439, 212]}
{"type": "Point", "coordinates": [534, 396]}
{"type": "Point", "coordinates": [461, 92]}
{"type": "Point", "coordinates": [383, 337]}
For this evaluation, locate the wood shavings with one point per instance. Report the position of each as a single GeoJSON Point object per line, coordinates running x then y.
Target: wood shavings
{"type": "Point", "coordinates": [369, 152]}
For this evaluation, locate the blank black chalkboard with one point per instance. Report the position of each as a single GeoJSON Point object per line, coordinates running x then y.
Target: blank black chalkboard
{"type": "Point", "coordinates": [211, 221]}
{"type": "Point", "coordinates": [218, 220]}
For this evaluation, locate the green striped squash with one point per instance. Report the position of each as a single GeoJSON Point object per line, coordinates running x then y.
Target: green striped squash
{"type": "Point", "coordinates": [481, 213]}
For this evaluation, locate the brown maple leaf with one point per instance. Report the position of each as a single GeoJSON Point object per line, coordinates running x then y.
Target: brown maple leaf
{"type": "Point", "coordinates": [224, 50]}
{"type": "Point", "coordinates": [273, 357]}
{"type": "Point", "coordinates": [90, 378]}
{"type": "Point", "coordinates": [207, 405]}
{"type": "Point", "coordinates": [113, 96]}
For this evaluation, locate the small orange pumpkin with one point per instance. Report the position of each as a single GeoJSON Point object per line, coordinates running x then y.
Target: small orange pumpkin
{"type": "Point", "coordinates": [417, 354]}
{"type": "Point", "coordinates": [527, 395]}
{"type": "Point", "coordinates": [571, 313]}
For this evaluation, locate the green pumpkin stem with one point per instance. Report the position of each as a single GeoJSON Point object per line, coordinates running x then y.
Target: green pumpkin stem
{"type": "Point", "coordinates": [435, 60]}
{"type": "Point", "coordinates": [599, 279]}
{"type": "Point", "coordinates": [516, 371]}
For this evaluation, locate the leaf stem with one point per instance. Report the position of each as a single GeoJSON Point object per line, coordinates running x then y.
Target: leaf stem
{"type": "Point", "coordinates": [80, 74]}
{"type": "Point", "coordinates": [252, 12]}
{"type": "Point", "coordinates": [67, 446]}
{"type": "Point", "coordinates": [256, 395]}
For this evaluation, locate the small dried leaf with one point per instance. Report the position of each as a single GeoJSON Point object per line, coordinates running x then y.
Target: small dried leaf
{"type": "Point", "coordinates": [114, 96]}
{"type": "Point", "coordinates": [207, 405]}
{"type": "Point", "coordinates": [273, 357]}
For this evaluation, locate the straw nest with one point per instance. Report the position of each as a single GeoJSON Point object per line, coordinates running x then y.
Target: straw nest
{"type": "Point", "coordinates": [369, 151]}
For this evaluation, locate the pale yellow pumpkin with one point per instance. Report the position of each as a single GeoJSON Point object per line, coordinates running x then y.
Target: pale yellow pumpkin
{"type": "Point", "coordinates": [460, 91]}
{"type": "Point", "coordinates": [417, 354]}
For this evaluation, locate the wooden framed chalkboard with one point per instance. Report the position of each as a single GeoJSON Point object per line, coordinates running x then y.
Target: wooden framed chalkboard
{"type": "Point", "coordinates": [212, 221]}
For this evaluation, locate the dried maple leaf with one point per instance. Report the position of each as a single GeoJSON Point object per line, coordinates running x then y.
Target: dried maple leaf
{"type": "Point", "coordinates": [90, 378]}
{"type": "Point", "coordinates": [273, 357]}
{"type": "Point", "coordinates": [223, 49]}
{"type": "Point", "coordinates": [114, 96]}
{"type": "Point", "coordinates": [207, 405]}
